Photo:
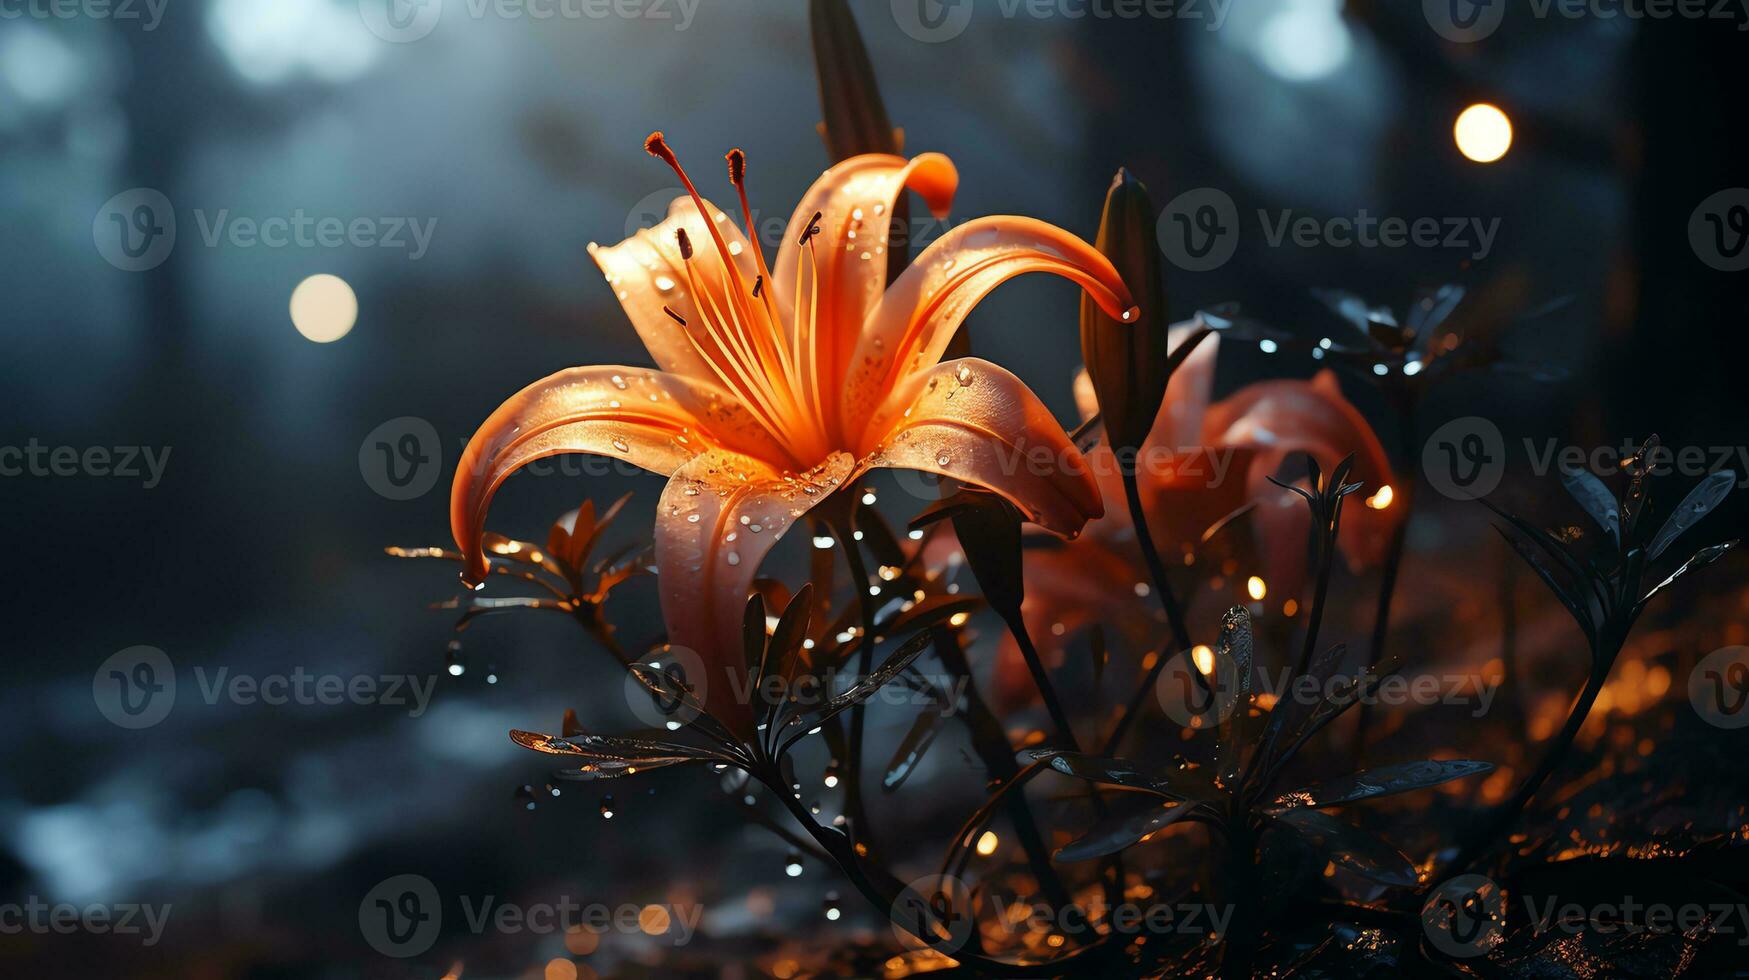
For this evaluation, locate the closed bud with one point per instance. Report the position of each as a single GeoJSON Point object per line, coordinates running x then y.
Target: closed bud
{"type": "Point", "coordinates": [855, 118]}
{"type": "Point", "coordinates": [1128, 362]}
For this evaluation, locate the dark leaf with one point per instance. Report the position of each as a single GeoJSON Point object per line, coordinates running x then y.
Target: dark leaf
{"type": "Point", "coordinates": [1115, 833]}
{"type": "Point", "coordinates": [1699, 502]}
{"type": "Point", "coordinates": [1701, 559]}
{"type": "Point", "coordinates": [1592, 495]}
{"type": "Point", "coordinates": [1384, 781]}
{"type": "Point", "coordinates": [1349, 847]}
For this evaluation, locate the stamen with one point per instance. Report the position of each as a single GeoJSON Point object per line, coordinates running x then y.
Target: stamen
{"type": "Point", "coordinates": [677, 317]}
{"type": "Point", "coordinates": [758, 284]}
{"type": "Point", "coordinates": [737, 168]}
{"type": "Point", "coordinates": [812, 229]}
{"type": "Point", "coordinates": [685, 243]}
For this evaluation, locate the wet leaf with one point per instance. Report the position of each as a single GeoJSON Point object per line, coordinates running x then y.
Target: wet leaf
{"type": "Point", "coordinates": [1592, 495]}
{"type": "Point", "coordinates": [1383, 781]}
{"type": "Point", "coordinates": [1116, 833]}
{"type": "Point", "coordinates": [1699, 502]}
{"type": "Point", "coordinates": [911, 749]}
{"type": "Point", "coordinates": [1701, 559]}
{"type": "Point", "coordinates": [1349, 847]}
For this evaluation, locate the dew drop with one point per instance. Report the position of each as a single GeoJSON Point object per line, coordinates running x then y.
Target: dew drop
{"type": "Point", "coordinates": [620, 444]}
{"type": "Point", "coordinates": [607, 807]}
{"type": "Point", "coordinates": [619, 382]}
{"type": "Point", "coordinates": [525, 797]}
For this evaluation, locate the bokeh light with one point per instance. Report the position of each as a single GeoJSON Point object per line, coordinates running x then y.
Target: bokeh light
{"type": "Point", "coordinates": [324, 308]}
{"type": "Point", "coordinates": [1483, 133]}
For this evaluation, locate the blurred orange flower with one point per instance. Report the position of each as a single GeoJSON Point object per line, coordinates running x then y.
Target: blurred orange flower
{"type": "Point", "coordinates": [777, 386]}
{"type": "Point", "coordinates": [1201, 463]}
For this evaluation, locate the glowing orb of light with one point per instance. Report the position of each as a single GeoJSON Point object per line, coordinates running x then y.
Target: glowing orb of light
{"type": "Point", "coordinates": [324, 308]}
{"type": "Point", "coordinates": [1483, 133]}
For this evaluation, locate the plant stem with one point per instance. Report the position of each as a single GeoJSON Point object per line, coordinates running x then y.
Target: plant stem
{"type": "Point", "coordinates": [1168, 602]}
{"type": "Point", "coordinates": [1502, 819]}
{"type": "Point", "coordinates": [840, 519]}
{"type": "Point", "coordinates": [991, 744]}
{"type": "Point", "coordinates": [1381, 627]}
{"type": "Point", "coordinates": [1046, 690]}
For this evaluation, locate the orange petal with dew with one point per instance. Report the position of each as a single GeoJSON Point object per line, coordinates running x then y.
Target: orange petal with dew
{"type": "Point", "coordinates": [647, 274]}
{"type": "Point", "coordinates": [909, 329]}
{"type": "Point", "coordinates": [719, 515]}
{"type": "Point", "coordinates": [855, 201]}
{"type": "Point", "coordinates": [649, 419]}
{"type": "Point", "coordinates": [974, 421]}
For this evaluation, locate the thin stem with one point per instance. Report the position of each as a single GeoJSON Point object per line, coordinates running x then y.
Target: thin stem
{"type": "Point", "coordinates": [1381, 626]}
{"type": "Point", "coordinates": [1046, 690]}
{"type": "Point", "coordinates": [1502, 819]}
{"type": "Point", "coordinates": [839, 517]}
{"type": "Point", "coordinates": [1168, 602]}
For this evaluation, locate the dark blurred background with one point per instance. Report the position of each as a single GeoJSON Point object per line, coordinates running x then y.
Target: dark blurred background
{"type": "Point", "coordinates": [515, 140]}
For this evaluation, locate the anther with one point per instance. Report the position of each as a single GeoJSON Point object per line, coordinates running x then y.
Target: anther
{"type": "Point", "coordinates": [685, 243]}
{"type": "Point", "coordinates": [758, 284]}
{"type": "Point", "coordinates": [737, 167]}
{"type": "Point", "coordinates": [656, 146]}
{"type": "Point", "coordinates": [812, 229]}
{"type": "Point", "coordinates": [677, 317]}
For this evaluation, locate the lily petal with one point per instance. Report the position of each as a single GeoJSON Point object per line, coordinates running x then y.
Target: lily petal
{"type": "Point", "coordinates": [855, 202]}
{"type": "Point", "coordinates": [719, 515]}
{"type": "Point", "coordinates": [647, 274]}
{"type": "Point", "coordinates": [974, 421]}
{"type": "Point", "coordinates": [1282, 418]}
{"type": "Point", "coordinates": [909, 329]}
{"type": "Point", "coordinates": [652, 420]}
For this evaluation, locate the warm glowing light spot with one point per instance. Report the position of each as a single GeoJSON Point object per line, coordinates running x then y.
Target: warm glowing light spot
{"type": "Point", "coordinates": [958, 619]}
{"type": "Point", "coordinates": [581, 940]}
{"type": "Point", "coordinates": [1483, 133]}
{"type": "Point", "coordinates": [324, 308]}
{"type": "Point", "coordinates": [1290, 607]}
{"type": "Point", "coordinates": [1204, 657]}
{"type": "Point", "coordinates": [653, 919]}
{"type": "Point", "coordinates": [1382, 499]}
{"type": "Point", "coordinates": [987, 843]}
{"type": "Point", "coordinates": [1256, 588]}
{"type": "Point", "coordinates": [561, 970]}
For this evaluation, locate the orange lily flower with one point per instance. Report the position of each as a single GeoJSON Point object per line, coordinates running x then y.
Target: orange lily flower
{"type": "Point", "coordinates": [1208, 460]}
{"type": "Point", "coordinates": [778, 386]}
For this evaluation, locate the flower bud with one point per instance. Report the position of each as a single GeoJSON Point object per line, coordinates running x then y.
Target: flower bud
{"type": "Point", "coordinates": [1127, 362]}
